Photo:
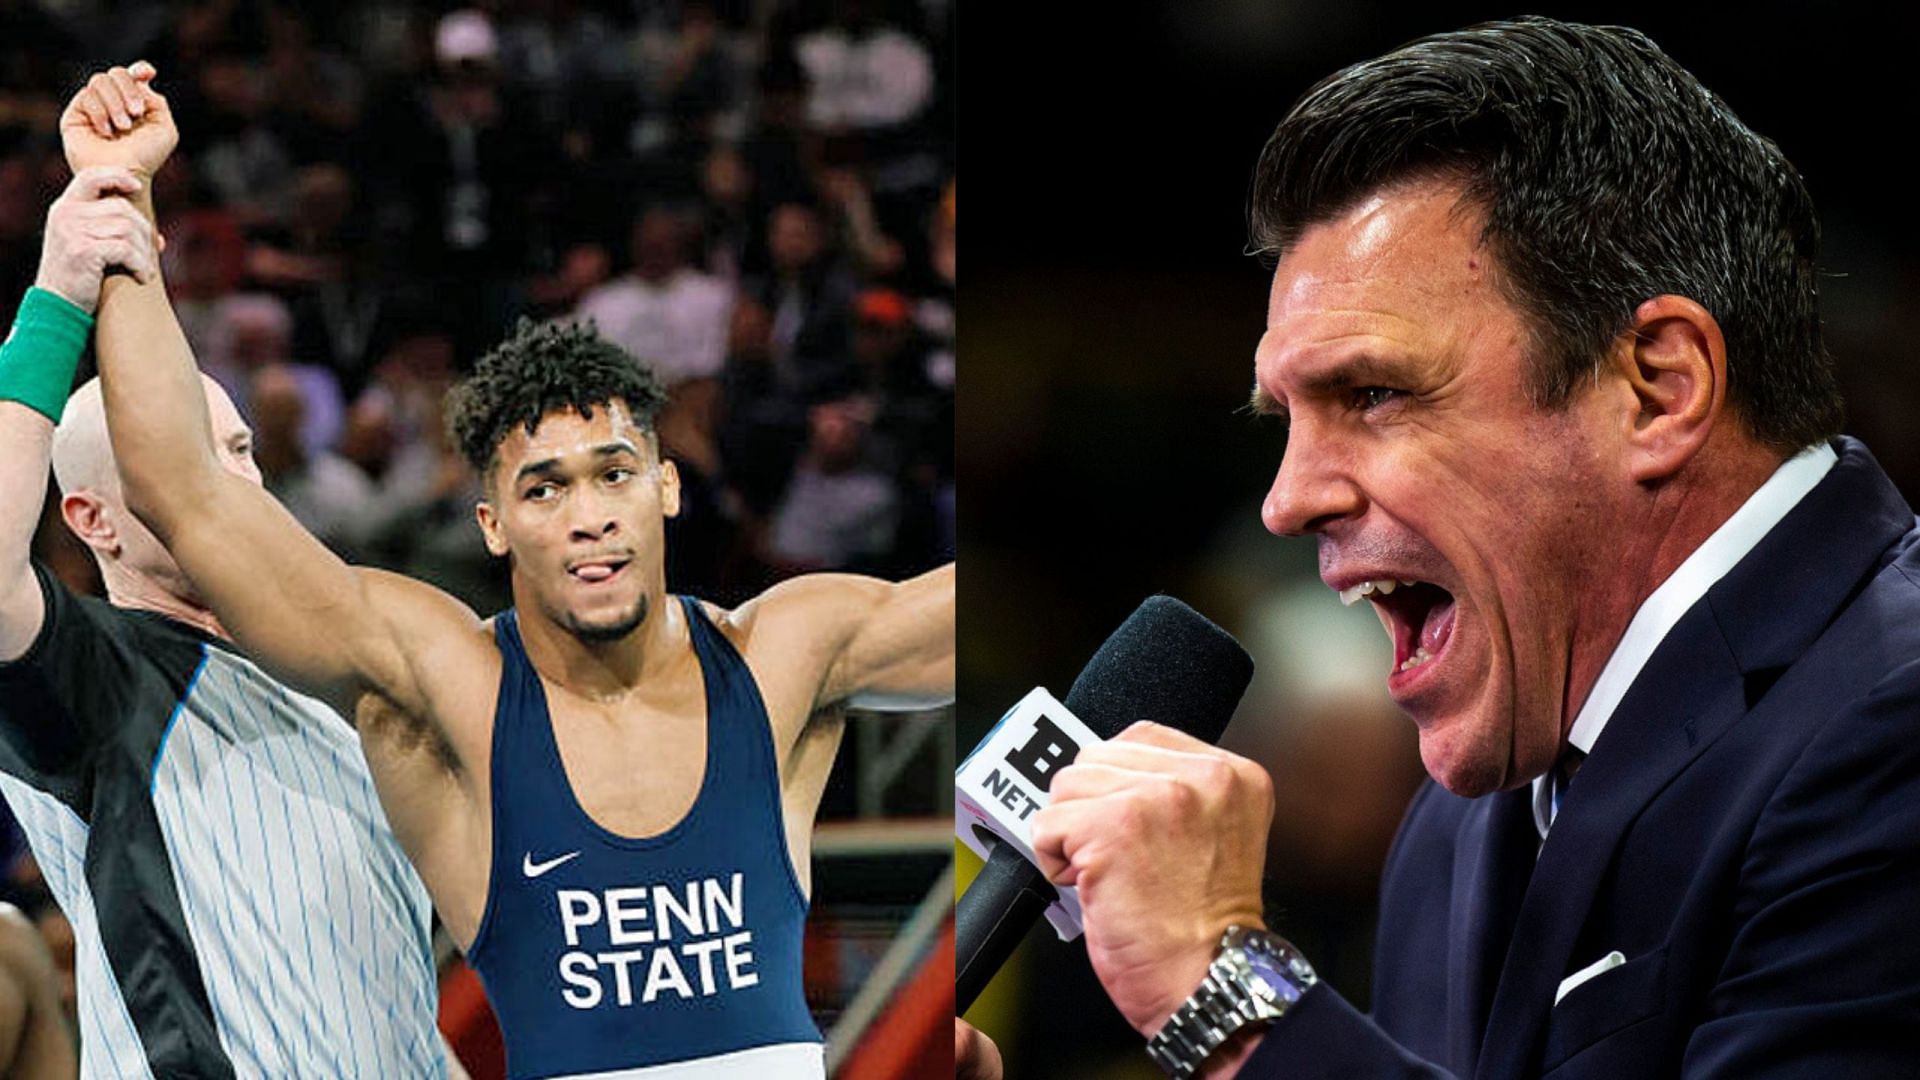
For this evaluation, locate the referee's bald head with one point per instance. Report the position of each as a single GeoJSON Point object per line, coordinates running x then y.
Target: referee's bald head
{"type": "Point", "coordinates": [83, 452]}
{"type": "Point", "coordinates": [91, 500]}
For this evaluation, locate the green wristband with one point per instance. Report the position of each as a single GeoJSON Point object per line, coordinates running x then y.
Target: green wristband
{"type": "Point", "coordinates": [38, 359]}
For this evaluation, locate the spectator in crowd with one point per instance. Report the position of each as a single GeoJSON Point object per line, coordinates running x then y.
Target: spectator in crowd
{"type": "Point", "coordinates": [808, 293]}
{"type": "Point", "coordinates": [253, 331]}
{"type": "Point", "coordinates": [840, 508]}
{"type": "Point", "coordinates": [764, 420]}
{"type": "Point", "coordinates": [689, 99]}
{"type": "Point", "coordinates": [241, 157]}
{"type": "Point", "coordinates": [322, 264]}
{"type": "Point", "coordinates": [329, 495]}
{"type": "Point", "coordinates": [569, 60]}
{"type": "Point", "coordinates": [730, 234]}
{"type": "Point", "coordinates": [206, 262]}
{"type": "Point", "coordinates": [663, 310]}
{"type": "Point", "coordinates": [935, 311]}
{"type": "Point", "coordinates": [864, 74]}
{"type": "Point", "coordinates": [464, 166]}
{"type": "Point", "coordinates": [314, 93]}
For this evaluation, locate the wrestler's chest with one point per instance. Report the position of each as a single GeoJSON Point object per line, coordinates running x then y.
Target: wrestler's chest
{"type": "Point", "coordinates": [635, 771]}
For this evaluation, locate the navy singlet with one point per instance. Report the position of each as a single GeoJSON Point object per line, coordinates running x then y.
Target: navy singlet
{"type": "Point", "coordinates": [670, 956]}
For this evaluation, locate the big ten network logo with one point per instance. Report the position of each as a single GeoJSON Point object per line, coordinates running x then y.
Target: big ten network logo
{"type": "Point", "coordinates": [1000, 786]}
{"type": "Point", "coordinates": [1036, 759]}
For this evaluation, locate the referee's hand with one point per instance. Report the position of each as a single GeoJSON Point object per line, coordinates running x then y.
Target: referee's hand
{"type": "Point", "coordinates": [92, 228]}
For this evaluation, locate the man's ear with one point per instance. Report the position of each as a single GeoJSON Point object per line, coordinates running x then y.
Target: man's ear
{"type": "Point", "coordinates": [490, 527]}
{"type": "Point", "coordinates": [1673, 360]}
{"type": "Point", "coordinates": [87, 518]}
{"type": "Point", "coordinates": [669, 488]}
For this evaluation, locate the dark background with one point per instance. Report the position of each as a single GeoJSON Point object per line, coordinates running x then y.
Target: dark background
{"type": "Point", "coordinates": [1111, 322]}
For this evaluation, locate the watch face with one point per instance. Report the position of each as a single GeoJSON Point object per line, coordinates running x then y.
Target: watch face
{"type": "Point", "coordinates": [1273, 965]}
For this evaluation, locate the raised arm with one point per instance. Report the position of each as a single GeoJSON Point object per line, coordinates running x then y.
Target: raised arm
{"type": "Point", "coordinates": [89, 228]}
{"type": "Point", "coordinates": [884, 645]}
{"type": "Point", "coordinates": [900, 654]}
{"type": "Point", "coordinates": [26, 439]}
{"type": "Point", "coordinates": [317, 622]}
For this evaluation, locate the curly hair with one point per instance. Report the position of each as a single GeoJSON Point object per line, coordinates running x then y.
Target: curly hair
{"type": "Point", "coordinates": [538, 369]}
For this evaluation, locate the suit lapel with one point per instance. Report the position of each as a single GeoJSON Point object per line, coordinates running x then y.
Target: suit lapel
{"type": "Point", "coordinates": [1686, 697]}
{"type": "Point", "coordinates": [1493, 858]}
{"type": "Point", "coordinates": [1704, 677]}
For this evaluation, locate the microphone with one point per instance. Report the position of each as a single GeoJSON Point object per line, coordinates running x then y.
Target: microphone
{"type": "Point", "coordinates": [1166, 663]}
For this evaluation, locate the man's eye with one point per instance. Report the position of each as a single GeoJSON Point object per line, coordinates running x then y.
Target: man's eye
{"type": "Point", "coordinates": [618, 474]}
{"type": "Point", "coordinates": [1372, 397]}
{"type": "Point", "coordinates": [542, 492]}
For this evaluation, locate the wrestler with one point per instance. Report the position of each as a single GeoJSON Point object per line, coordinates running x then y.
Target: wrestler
{"type": "Point", "coordinates": [608, 790]}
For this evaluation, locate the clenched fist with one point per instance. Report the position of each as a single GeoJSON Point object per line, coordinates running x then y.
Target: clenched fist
{"type": "Point", "coordinates": [92, 228]}
{"type": "Point", "coordinates": [118, 118]}
{"type": "Point", "coordinates": [974, 1055]}
{"type": "Point", "coordinates": [1165, 837]}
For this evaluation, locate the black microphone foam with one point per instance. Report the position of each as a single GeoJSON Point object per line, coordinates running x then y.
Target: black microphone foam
{"type": "Point", "coordinates": [1166, 663]}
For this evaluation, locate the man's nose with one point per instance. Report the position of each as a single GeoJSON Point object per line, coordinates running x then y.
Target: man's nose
{"type": "Point", "coordinates": [1312, 489]}
{"type": "Point", "coordinates": [593, 518]}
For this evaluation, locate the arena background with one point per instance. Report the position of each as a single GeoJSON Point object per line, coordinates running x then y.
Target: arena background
{"type": "Point", "coordinates": [1111, 322]}
{"type": "Point", "coordinates": [755, 196]}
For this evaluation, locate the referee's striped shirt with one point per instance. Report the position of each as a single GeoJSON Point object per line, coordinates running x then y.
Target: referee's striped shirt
{"type": "Point", "coordinates": [239, 905]}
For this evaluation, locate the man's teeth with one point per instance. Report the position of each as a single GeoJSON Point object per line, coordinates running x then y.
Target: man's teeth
{"type": "Point", "coordinates": [1418, 658]}
{"type": "Point", "coordinates": [1383, 586]}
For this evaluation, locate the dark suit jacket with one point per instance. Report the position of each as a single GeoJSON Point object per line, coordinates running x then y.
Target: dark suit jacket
{"type": "Point", "coordinates": [1746, 832]}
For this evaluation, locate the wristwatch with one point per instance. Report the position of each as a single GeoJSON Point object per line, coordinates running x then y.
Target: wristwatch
{"type": "Point", "coordinates": [1254, 979]}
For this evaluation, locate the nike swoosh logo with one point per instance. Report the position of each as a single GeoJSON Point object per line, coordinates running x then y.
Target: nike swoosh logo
{"type": "Point", "coordinates": [533, 869]}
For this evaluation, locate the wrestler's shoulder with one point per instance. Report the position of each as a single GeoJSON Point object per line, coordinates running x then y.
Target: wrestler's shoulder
{"type": "Point", "coordinates": [445, 659]}
{"type": "Point", "coordinates": [414, 605]}
{"type": "Point", "coordinates": [807, 605]}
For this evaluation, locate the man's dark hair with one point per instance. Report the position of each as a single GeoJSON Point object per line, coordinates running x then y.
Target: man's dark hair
{"type": "Point", "coordinates": [1608, 176]}
{"type": "Point", "coordinates": [540, 368]}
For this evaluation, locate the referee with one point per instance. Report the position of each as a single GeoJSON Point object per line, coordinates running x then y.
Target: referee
{"type": "Point", "coordinates": [239, 904]}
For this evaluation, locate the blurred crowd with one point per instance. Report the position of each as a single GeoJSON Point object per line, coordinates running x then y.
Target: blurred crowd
{"type": "Point", "coordinates": [754, 197]}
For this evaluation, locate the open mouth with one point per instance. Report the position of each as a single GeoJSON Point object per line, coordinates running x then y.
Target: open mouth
{"type": "Point", "coordinates": [1418, 616]}
{"type": "Point", "coordinates": [596, 573]}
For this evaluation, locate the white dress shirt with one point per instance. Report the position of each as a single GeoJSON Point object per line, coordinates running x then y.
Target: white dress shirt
{"type": "Point", "coordinates": [677, 327]}
{"type": "Point", "coordinates": [1709, 563]}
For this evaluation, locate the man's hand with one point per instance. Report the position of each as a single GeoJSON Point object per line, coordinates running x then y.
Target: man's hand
{"type": "Point", "coordinates": [1165, 837]}
{"type": "Point", "coordinates": [974, 1055]}
{"type": "Point", "coordinates": [118, 118]}
{"type": "Point", "coordinates": [92, 227]}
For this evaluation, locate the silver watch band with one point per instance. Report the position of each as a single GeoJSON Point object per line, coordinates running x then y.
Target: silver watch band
{"type": "Point", "coordinates": [1239, 990]}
